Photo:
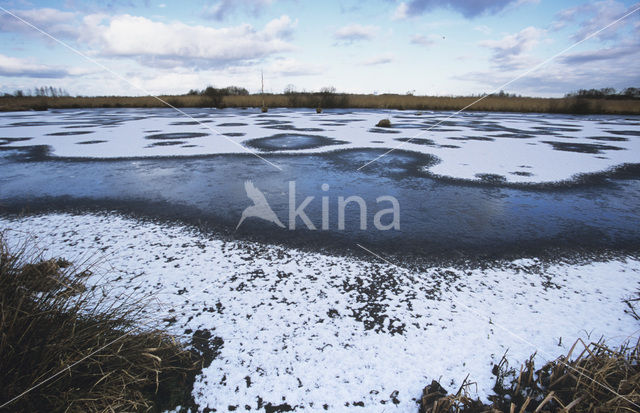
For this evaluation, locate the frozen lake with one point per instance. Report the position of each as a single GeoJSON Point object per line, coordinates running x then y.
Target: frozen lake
{"type": "Point", "coordinates": [479, 184]}
{"type": "Point", "coordinates": [470, 146]}
{"type": "Point", "coordinates": [517, 231]}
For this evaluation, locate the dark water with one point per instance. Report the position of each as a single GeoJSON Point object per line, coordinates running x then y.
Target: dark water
{"type": "Point", "coordinates": [438, 218]}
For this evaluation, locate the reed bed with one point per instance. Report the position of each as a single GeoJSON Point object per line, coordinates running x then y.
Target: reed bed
{"type": "Point", "coordinates": [598, 380]}
{"type": "Point", "coordinates": [574, 105]}
{"type": "Point", "coordinates": [77, 351]}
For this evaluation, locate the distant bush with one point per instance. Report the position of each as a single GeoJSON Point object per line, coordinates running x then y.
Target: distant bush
{"type": "Point", "coordinates": [216, 96]}
{"type": "Point", "coordinates": [503, 94]}
{"type": "Point", "coordinates": [330, 99]}
{"type": "Point", "coordinates": [327, 97]}
{"type": "Point", "coordinates": [607, 93]}
{"type": "Point", "coordinates": [42, 91]}
{"type": "Point", "coordinates": [632, 92]}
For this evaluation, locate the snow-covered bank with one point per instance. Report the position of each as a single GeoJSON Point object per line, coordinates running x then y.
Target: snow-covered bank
{"type": "Point", "coordinates": [311, 330]}
{"type": "Point", "coordinates": [521, 148]}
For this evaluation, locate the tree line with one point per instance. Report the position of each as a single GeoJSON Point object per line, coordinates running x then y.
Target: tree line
{"type": "Point", "coordinates": [606, 93]}
{"type": "Point", "coordinates": [42, 91]}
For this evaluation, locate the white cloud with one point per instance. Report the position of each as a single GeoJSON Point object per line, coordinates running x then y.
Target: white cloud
{"type": "Point", "coordinates": [465, 7]}
{"type": "Point", "coordinates": [422, 40]}
{"type": "Point", "coordinates": [510, 52]}
{"type": "Point", "coordinates": [599, 67]}
{"type": "Point", "coordinates": [378, 60]}
{"type": "Point", "coordinates": [222, 9]}
{"type": "Point", "coordinates": [558, 78]}
{"type": "Point", "coordinates": [592, 17]}
{"type": "Point", "coordinates": [55, 22]}
{"type": "Point", "coordinates": [16, 67]}
{"type": "Point", "coordinates": [401, 11]}
{"type": "Point", "coordinates": [281, 27]}
{"type": "Point", "coordinates": [293, 67]}
{"type": "Point", "coordinates": [483, 29]}
{"type": "Point", "coordinates": [156, 43]}
{"type": "Point", "coordinates": [168, 82]}
{"type": "Point", "coordinates": [353, 32]}
{"type": "Point", "coordinates": [179, 44]}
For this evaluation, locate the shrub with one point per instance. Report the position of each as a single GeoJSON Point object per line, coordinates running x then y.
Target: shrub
{"type": "Point", "coordinates": [384, 123]}
{"type": "Point", "coordinates": [214, 96]}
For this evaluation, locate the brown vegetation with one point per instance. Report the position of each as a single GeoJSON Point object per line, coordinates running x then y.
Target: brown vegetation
{"type": "Point", "coordinates": [50, 321]}
{"type": "Point", "coordinates": [599, 379]}
{"type": "Point", "coordinates": [384, 123]}
{"type": "Point", "coordinates": [335, 100]}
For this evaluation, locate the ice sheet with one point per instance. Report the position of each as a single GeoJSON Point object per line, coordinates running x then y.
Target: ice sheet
{"type": "Point", "coordinates": [518, 147]}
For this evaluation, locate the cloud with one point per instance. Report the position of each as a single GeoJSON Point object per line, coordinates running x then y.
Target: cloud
{"type": "Point", "coordinates": [16, 67]}
{"type": "Point", "coordinates": [181, 45]}
{"type": "Point", "coordinates": [610, 55]}
{"type": "Point", "coordinates": [55, 22]}
{"type": "Point", "coordinates": [483, 29]}
{"type": "Point", "coordinates": [378, 60]}
{"type": "Point", "coordinates": [595, 55]}
{"type": "Point", "coordinates": [510, 52]}
{"type": "Point", "coordinates": [421, 40]}
{"type": "Point", "coordinates": [466, 8]}
{"type": "Point", "coordinates": [354, 32]}
{"type": "Point", "coordinates": [401, 12]}
{"type": "Point", "coordinates": [605, 67]}
{"type": "Point", "coordinates": [592, 17]}
{"type": "Point", "coordinates": [293, 67]}
{"type": "Point", "coordinates": [611, 66]}
{"type": "Point", "coordinates": [281, 27]}
{"type": "Point", "coordinates": [222, 9]}
{"type": "Point", "coordinates": [559, 79]}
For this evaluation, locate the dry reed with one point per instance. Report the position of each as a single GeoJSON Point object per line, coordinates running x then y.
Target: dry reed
{"type": "Point", "coordinates": [50, 319]}
{"type": "Point", "coordinates": [598, 380]}
{"type": "Point", "coordinates": [336, 100]}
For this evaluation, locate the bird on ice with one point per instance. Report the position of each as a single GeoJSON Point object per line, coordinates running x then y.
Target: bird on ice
{"type": "Point", "coordinates": [260, 207]}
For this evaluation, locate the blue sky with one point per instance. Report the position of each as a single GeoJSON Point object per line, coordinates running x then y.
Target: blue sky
{"type": "Point", "coordinates": [429, 47]}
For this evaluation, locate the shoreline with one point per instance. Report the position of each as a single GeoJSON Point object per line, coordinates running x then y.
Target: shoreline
{"type": "Point", "coordinates": [550, 253]}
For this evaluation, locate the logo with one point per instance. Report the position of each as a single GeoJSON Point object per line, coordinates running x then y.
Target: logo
{"type": "Point", "coordinates": [261, 209]}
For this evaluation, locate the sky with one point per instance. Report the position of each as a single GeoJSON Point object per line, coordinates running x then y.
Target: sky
{"type": "Point", "coordinates": [424, 47]}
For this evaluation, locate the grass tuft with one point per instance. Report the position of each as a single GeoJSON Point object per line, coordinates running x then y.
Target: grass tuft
{"type": "Point", "coordinates": [599, 379]}
{"type": "Point", "coordinates": [50, 319]}
{"type": "Point", "coordinates": [384, 123]}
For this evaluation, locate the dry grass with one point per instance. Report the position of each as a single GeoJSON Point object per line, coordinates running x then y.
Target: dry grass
{"type": "Point", "coordinates": [600, 379]}
{"type": "Point", "coordinates": [384, 123]}
{"type": "Point", "coordinates": [50, 319]}
{"type": "Point", "coordinates": [327, 100]}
